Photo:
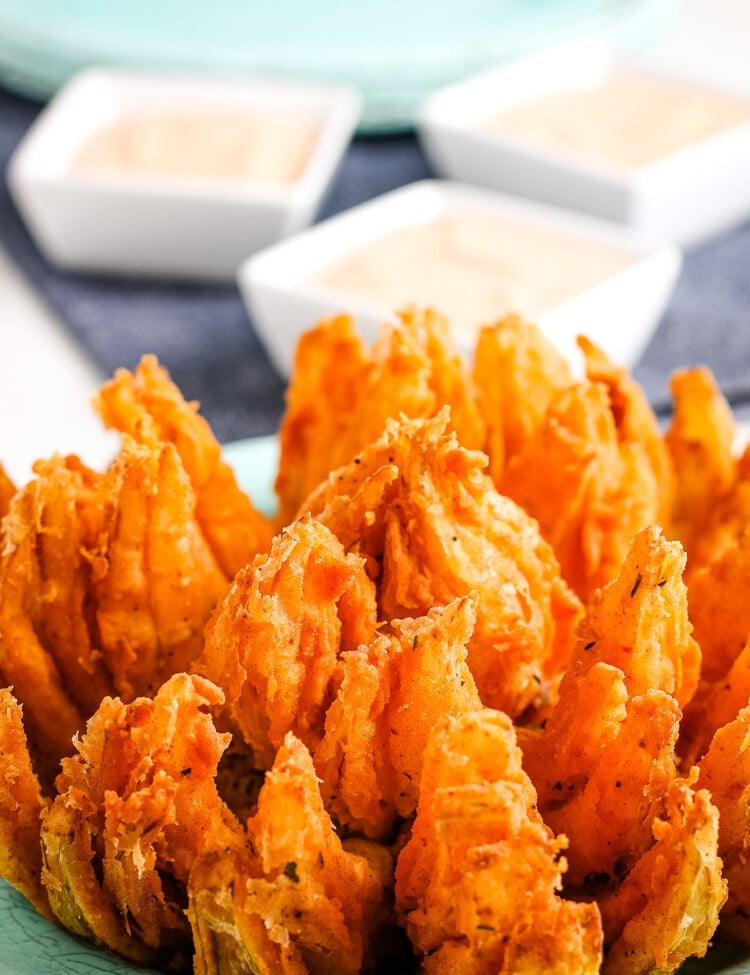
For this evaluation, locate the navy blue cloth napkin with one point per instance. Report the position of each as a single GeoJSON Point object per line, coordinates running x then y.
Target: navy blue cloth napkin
{"type": "Point", "coordinates": [203, 335]}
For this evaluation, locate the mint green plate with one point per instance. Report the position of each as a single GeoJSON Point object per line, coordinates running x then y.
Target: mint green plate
{"type": "Point", "coordinates": [31, 945]}
{"type": "Point", "coordinates": [255, 463]}
{"type": "Point", "coordinates": [396, 52]}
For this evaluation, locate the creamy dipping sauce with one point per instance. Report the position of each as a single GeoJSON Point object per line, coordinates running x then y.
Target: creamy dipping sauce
{"type": "Point", "coordinates": [628, 119]}
{"type": "Point", "coordinates": [473, 267]}
{"type": "Point", "coordinates": [208, 145]}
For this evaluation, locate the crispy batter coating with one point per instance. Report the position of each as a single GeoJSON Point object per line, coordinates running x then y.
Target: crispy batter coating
{"type": "Point", "coordinates": [723, 528]}
{"type": "Point", "coordinates": [392, 694]}
{"type": "Point", "coordinates": [642, 842]}
{"type": "Point", "coordinates": [635, 422]}
{"type": "Point", "coordinates": [477, 882]}
{"type": "Point", "coordinates": [106, 583]}
{"type": "Point", "coordinates": [715, 705]}
{"type": "Point", "coordinates": [51, 715]}
{"type": "Point", "coordinates": [559, 755]}
{"type": "Point", "coordinates": [639, 622]}
{"type": "Point", "coordinates": [21, 805]}
{"type": "Point", "coordinates": [159, 580]}
{"type": "Point", "coordinates": [667, 908]}
{"type": "Point", "coordinates": [321, 400]}
{"type": "Point", "coordinates": [606, 755]}
{"type": "Point", "coordinates": [516, 373]}
{"type": "Point", "coordinates": [329, 900]}
{"type": "Point", "coordinates": [274, 642]}
{"type": "Point", "coordinates": [725, 772]}
{"type": "Point", "coordinates": [351, 658]}
{"type": "Point", "coordinates": [7, 490]}
{"type": "Point", "coordinates": [700, 440]}
{"type": "Point", "coordinates": [607, 810]}
{"type": "Point", "coordinates": [421, 509]}
{"type": "Point", "coordinates": [296, 901]}
{"type": "Point", "coordinates": [341, 395]}
{"type": "Point", "coordinates": [148, 406]}
{"type": "Point", "coordinates": [604, 492]}
{"type": "Point", "coordinates": [227, 939]}
{"type": "Point", "coordinates": [136, 806]}
{"type": "Point", "coordinates": [65, 509]}
{"type": "Point", "coordinates": [449, 379]}
{"type": "Point", "coordinates": [723, 582]}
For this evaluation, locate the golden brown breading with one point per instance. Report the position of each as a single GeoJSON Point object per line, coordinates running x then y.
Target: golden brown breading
{"type": "Point", "coordinates": [392, 693]}
{"type": "Point", "coordinates": [723, 582]}
{"type": "Point", "coordinates": [639, 622]}
{"type": "Point", "coordinates": [106, 583]}
{"type": "Point", "coordinates": [341, 395]}
{"type": "Point", "coordinates": [21, 805]}
{"type": "Point", "coordinates": [516, 373]}
{"type": "Point", "coordinates": [585, 719]}
{"type": "Point", "coordinates": [448, 378]}
{"type": "Point", "coordinates": [158, 581]}
{"type": "Point", "coordinates": [51, 715]}
{"type": "Point", "coordinates": [136, 806]}
{"type": "Point", "coordinates": [604, 759]}
{"type": "Point", "coordinates": [725, 772]}
{"type": "Point", "coordinates": [274, 642]}
{"type": "Point", "coordinates": [642, 842]}
{"type": "Point", "coordinates": [589, 492]}
{"type": "Point", "coordinates": [65, 511]}
{"type": "Point", "coordinates": [228, 940]}
{"type": "Point", "coordinates": [715, 705]}
{"type": "Point", "coordinates": [148, 406]}
{"type": "Point", "coordinates": [421, 509]}
{"type": "Point", "coordinates": [700, 440]}
{"type": "Point", "coordinates": [724, 527]}
{"type": "Point", "coordinates": [635, 422]}
{"type": "Point", "coordinates": [607, 810]}
{"type": "Point", "coordinates": [477, 882]}
{"type": "Point", "coordinates": [329, 900]}
{"type": "Point", "coordinates": [321, 400]}
{"type": "Point", "coordinates": [296, 900]}
{"type": "Point", "coordinates": [7, 490]}
{"type": "Point", "coordinates": [667, 908]}
{"type": "Point", "coordinates": [350, 658]}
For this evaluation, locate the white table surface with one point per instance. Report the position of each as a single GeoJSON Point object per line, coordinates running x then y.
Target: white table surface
{"type": "Point", "coordinates": [46, 382]}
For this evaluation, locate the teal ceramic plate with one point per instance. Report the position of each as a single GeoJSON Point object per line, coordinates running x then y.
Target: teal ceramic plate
{"type": "Point", "coordinates": [395, 52]}
{"type": "Point", "coordinates": [31, 945]}
{"type": "Point", "coordinates": [255, 462]}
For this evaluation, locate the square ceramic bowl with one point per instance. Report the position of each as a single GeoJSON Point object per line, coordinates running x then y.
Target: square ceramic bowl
{"type": "Point", "coordinates": [694, 185]}
{"type": "Point", "coordinates": [290, 286]}
{"type": "Point", "coordinates": [170, 223]}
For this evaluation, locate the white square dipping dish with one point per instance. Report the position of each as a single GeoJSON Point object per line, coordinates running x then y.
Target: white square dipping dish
{"type": "Point", "coordinates": [619, 313]}
{"type": "Point", "coordinates": [153, 224]}
{"type": "Point", "coordinates": [684, 195]}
